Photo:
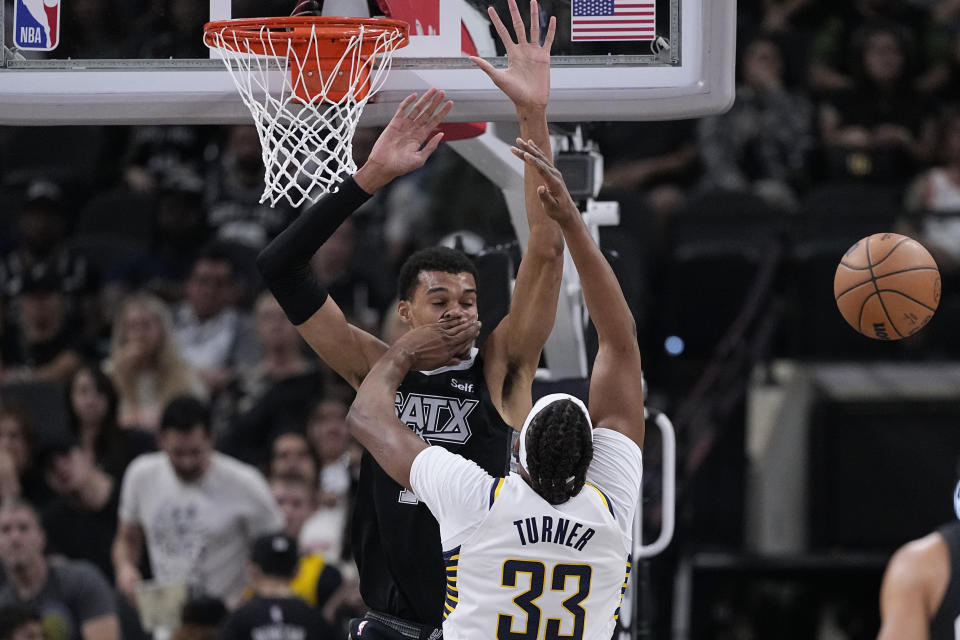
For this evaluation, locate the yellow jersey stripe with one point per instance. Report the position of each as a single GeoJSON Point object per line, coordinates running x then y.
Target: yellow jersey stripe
{"type": "Point", "coordinates": [603, 497]}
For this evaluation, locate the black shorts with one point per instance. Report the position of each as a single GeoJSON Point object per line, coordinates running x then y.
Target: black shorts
{"type": "Point", "coordinates": [380, 626]}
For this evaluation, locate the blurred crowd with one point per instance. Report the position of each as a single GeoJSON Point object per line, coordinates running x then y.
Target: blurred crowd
{"type": "Point", "coordinates": [131, 311]}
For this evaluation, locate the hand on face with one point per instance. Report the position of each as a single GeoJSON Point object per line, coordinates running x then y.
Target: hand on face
{"type": "Point", "coordinates": [441, 343]}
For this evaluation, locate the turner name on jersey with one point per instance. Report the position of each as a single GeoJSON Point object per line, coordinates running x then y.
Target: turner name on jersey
{"type": "Point", "coordinates": [564, 531]}
{"type": "Point", "coordinates": [435, 418]}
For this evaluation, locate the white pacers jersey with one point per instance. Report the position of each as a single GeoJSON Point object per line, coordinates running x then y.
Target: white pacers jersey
{"type": "Point", "coordinates": [521, 568]}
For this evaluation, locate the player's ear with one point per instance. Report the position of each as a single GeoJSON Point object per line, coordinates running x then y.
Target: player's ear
{"type": "Point", "coordinates": [405, 311]}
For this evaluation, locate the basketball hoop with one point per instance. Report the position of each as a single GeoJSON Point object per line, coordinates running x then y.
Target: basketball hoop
{"type": "Point", "coordinates": [306, 81]}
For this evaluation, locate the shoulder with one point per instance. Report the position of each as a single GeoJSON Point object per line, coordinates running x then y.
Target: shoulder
{"type": "Point", "coordinates": [443, 478]}
{"type": "Point", "coordinates": [232, 468]}
{"type": "Point", "coordinates": [145, 464]}
{"type": "Point", "coordinates": [437, 458]}
{"type": "Point", "coordinates": [921, 567]}
{"type": "Point", "coordinates": [613, 441]}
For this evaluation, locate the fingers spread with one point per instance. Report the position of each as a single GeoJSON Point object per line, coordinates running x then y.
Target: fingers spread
{"type": "Point", "coordinates": [534, 22]}
{"type": "Point", "coordinates": [518, 27]}
{"type": "Point", "coordinates": [424, 103]}
{"type": "Point", "coordinates": [440, 115]}
{"type": "Point", "coordinates": [432, 145]}
{"type": "Point", "coordinates": [551, 31]}
{"type": "Point", "coordinates": [401, 110]}
{"type": "Point", "coordinates": [424, 116]}
{"type": "Point", "coordinates": [485, 66]}
{"type": "Point", "coordinates": [499, 26]}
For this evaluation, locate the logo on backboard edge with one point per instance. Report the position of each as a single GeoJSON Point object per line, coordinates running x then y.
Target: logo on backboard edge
{"type": "Point", "coordinates": [36, 24]}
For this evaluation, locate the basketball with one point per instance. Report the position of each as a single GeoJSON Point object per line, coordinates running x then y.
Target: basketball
{"type": "Point", "coordinates": [887, 286]}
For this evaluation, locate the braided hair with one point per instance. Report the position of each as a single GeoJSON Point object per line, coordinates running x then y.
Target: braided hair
{"type": "Point", "coordinates": [559, 450]}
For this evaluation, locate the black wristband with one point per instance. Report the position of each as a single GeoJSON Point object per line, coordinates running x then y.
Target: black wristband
{"type": "Point", "coordinates": [285, 262]}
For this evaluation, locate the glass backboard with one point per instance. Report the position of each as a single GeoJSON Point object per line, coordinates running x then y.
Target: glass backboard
{"type": "Point", "coordinates": [143, 61]}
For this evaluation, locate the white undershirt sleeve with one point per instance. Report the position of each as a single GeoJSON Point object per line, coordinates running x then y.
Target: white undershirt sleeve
{"type": "Point", "coordinates": [456, 490]}
{"type": "Point", "coordinates": [617, 470]}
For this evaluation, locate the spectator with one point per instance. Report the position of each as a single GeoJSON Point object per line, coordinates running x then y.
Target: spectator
{"type": "Point", "coordinates": [234, 187]}
{"type": "Point", "coordinates": [339, 469]}
{"type": "Point", "coordinates": [273, 395]}
{"type": "Point", "coordinates": [179, 233]}
{"type": "Point", "coordinates": [832, 69]}
{"type": "Point", "coordinates": [934, 198]}
{"type": "Point", "coordinates": [196, 510]}
{"type": "Point", "coordinates": [878, 129]}
{"type": "Point", "coordinates": [762, 143]}
{"type": "Point", "coordinates": [775, 15]}
{"type": "Point", "coordinates": [359, 286]}
{"type": "Point", "coordinates": [92, 406]}
{"type": "Point", "coordinates": [18, 477]}
{"type": "Point", "coordinates": [86, 501]}
{"type": "Point", "coordinates": [42, 344]}
{"type": "Point", "coordinates": [316, 579]}
{"type": "Point", "coordinates": [946, 87]}
{"type": "Point", "coordinates": [42, 223]}
{"type": "Point", "coordinates": [275, 611]}
{"type": "Point", "coordinates": [201, 619]}
{"type": "Point", "coordinates": [668, 156]}
{"type": "Point", "coordinates": [18, 622]}
{"type": "Point", "coordinates": [145, 363]}
{"type": "Point", "coordinates": [214, 335]}
{"type": "Point", "coordinates": [73, 598]}
{"type": "Point", "coordinates": [159, 152]}
{"type": "Point", "coordinates": [290, 452]}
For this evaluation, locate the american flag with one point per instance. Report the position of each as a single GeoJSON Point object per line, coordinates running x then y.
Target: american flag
{"type": "Point", "coordinates": [613, 20]}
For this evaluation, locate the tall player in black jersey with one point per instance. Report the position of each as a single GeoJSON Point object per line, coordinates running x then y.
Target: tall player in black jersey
{"type": "Point", "coordinates": [920, 596]}
{"type": "Point", "coordinates": [468, 406]}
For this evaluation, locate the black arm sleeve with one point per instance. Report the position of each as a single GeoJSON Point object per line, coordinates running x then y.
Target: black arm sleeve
{"type": "Point", "coordinates": [285, 262]}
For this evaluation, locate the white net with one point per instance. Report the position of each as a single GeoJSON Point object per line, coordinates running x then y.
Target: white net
{"type": "Point", "coordinates": [305, 103]}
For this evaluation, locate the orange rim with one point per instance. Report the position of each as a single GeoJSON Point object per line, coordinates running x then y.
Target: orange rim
{"type": "Point", "coordinates": [299, 29]}
{"type": "Point", "coordinates": [327, 37]}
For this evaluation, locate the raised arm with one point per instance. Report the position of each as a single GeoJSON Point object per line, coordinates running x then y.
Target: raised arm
{"type": "Point", "coordinates": [284, 263]}
{"type": "Point", "coordinates": [514, 347]}
{"type": "Point", "coordinates": [372, 418]}
{"type": "Point", "coordinates": [616, 400]}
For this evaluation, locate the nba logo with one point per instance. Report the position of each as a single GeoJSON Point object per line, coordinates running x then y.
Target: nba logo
{"type": "Point", "coordinates": [36, 24]}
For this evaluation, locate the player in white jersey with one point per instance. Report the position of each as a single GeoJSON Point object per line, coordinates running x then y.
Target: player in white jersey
{"type": "Point", "coordinates": [540, 554]}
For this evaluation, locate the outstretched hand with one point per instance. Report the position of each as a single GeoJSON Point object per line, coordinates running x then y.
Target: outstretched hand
{"type": "Point", "coordinates": [554, 196]}
{"type": "Point", "coordinates": [403, 145]}
{"type": "Point", "coordinates": [526, 80]}
{"type": "Point", "coordinates": [441, 343]}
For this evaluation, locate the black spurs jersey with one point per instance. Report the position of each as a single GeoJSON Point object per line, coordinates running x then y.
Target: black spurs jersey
{"type": "Point", "coordinates": [946, 622]}
{"type": "Point", "coordinates": [395, 538]}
